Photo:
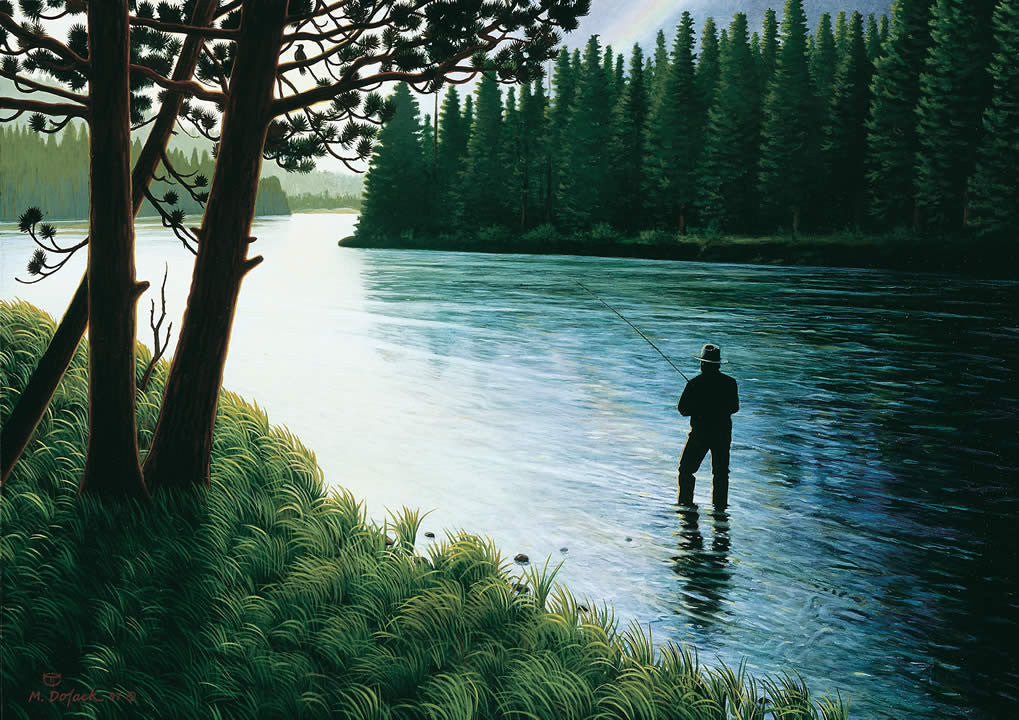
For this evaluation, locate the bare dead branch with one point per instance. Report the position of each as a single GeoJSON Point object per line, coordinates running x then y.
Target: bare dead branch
{"type": "Point", "coordinates": [158, 348]}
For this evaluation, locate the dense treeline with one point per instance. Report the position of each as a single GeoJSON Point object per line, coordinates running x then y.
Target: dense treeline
{"type": "Point", "coordinates": [863, 124]}
{"type": "Point", "coordinates": [50, 171]}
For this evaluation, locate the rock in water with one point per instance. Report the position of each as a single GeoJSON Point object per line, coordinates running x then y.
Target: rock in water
{"type": "Point", "coordinates": [564, 550]}
{"type": "Point", "coordinates": [429, 534]}
{"type": "Point", "coordinates": [521, 558]}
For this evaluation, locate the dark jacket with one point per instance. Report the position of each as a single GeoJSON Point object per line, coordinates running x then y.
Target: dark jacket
{"type": "Point", "coordinates": [709, 400]}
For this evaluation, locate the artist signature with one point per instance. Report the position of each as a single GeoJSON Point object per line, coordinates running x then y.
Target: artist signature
{"type": "Point", "coordinates": [57, 696]}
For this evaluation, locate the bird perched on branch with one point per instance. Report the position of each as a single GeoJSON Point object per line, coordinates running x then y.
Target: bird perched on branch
{"type": "Point", "coordinates": [300, 56]}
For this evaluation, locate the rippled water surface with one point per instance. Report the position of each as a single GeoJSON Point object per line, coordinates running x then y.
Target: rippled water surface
{"type": "Point", "coordinates": [871, 541]}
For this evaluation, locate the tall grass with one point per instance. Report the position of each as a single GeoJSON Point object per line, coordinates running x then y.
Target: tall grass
{"type": "Point", "coordinates": [267, 597]}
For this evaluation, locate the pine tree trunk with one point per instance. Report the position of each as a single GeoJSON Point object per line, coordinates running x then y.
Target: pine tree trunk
{"type": "Point", "coordinates": [182, 444]}
{"type": "Point", "coordinates": [111, 461]}
{"type": "Point", "coordinates": [682, 219]}
{"type": "Point", "coordinates": [796, 221]}
{"type": "Point", "coordinates": [35, 398]}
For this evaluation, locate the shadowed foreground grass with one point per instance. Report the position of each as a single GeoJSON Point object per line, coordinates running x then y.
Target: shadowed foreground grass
{"type": "Point", "coordinates": [266, 597]}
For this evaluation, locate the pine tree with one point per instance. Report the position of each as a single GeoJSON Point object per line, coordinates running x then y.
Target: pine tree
{"type": "Point", "coordinates": [994, 188]}
{"type": "Point", "coordinates": [955, 90]}
{"type": "Point", "coordinates": [451, 151]}
{"type": "Point", "coordinates": [533, 108]}
{"type": "Point", "coordinates": [845, 143]}
{"type": "Point", "coordinates": [788, 167]}
{"type": "Point", "coordinates": [629, 123]}
{"type": "Point", "coordinates": [484, 179]}
{"type": "Point", "coordinates": [660, 66]}
{"type": "Point", "coordinates": [582, 194]}
{"type": "Point", "coordinates": [891, 129]}
{"type": "Point", "coordinates": [708, 64]}
{"type": "Point", "coordinates": [841, 35]}
{"type": "Point", "coordinates": [609, 70]}
{"type": "Point", "coordinates": [674, 136]}
{"type": "Point", "coordinates": [822, 60]}
{"type": "Point", "coordinates": [873, 41]}
{"type": "Point", "coordinates": [392, 201]}
{"type": "Point", "coordinates": [514, 161]}
{"type": "Point", "coordinates": [559, 114]}
{"type": "Point", "coordinates": [728, 177]}
{"type": "Point", "coordinates": [769, 49]}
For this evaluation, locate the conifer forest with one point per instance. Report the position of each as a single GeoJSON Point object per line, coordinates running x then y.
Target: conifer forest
{"type": "Point", "coordinates": [905, 124]}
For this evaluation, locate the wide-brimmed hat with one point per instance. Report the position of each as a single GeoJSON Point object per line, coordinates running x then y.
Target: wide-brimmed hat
{"type": "Point", "coordinates": [712, 354]}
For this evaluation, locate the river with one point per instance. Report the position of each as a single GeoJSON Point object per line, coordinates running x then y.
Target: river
{"type": "Point", "coordinates": [870, 543]}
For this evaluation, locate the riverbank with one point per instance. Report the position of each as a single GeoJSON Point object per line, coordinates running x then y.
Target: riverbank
{"type": "Point", "coordinates": [895, 251]}
{"type": "Point", "coordinates": [264, 596]}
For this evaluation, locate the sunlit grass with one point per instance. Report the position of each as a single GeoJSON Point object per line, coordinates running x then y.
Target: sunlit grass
{"type": "Point", "coordinates": [267, 597]}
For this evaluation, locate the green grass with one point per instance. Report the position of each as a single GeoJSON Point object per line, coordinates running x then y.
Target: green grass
{"type": "Point", "coordinates": [267, 597]}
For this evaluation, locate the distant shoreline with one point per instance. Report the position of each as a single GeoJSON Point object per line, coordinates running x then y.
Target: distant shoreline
{"type": "Point", "coordinates": [843, 250]}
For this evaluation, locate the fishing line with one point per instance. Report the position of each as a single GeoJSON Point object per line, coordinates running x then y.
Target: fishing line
{"type": "Point", "coordinates": [646, 338]}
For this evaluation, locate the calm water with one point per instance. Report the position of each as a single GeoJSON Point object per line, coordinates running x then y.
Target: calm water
{"type": "Point", "coordinates": [871, 541]}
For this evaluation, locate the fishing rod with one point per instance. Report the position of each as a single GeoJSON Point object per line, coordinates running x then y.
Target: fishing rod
{"type": "Point", "coordinates": [648, 340]}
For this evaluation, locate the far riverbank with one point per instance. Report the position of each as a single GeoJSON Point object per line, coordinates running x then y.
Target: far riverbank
{"type": "Point", "coordinates": [899, 251]}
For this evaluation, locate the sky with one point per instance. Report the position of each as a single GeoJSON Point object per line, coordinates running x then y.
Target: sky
{"type": "Point", "coordinates": [621, 23]}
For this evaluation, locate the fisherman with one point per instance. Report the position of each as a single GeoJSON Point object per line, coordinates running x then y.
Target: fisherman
{"type": "Point", "coordinates": [709, 400]}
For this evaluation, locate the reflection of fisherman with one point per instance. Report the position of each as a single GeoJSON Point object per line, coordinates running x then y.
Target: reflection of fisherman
{"type": "Point", "coordinates": [706, 572]}
{"type": "Point", "coordinates": [709, 400]}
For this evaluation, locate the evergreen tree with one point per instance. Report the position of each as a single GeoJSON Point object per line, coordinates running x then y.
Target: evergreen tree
{"type": "Point", "coordinates": [873, 39]}
{"type": "Point", "coordinates": [892, 136]}
{"type": "Point", "coordinates": [955, 90]}
{"type": "Point", "coordinates": [841, 35]}
{"type": "Point", "coordinates": [728, 175]}
{"type": "Point", "coordinates": [845, 143]}
{"type": "Point", "coordinates": [755, 53]}
{"type": "Point", "coordinates": [514, 161]}
{"type": "Point", "coordinates": [452, 149]}
{"type": "Point", "coordinates": [788, 167]}
{"type": "Point", "coordinates": [660, 66]}
{"type": "Point", "coordinates": [769, 49]}
{"type": "Point", "coordinates": [559, 114]}
{"type": "Point", "coordinates": [674, 130]}
{"type": "Point", "coordinates": [533, 109]}
{"type": "Point", "coordinates": [467, 124]}
{"type": "Point", "coordinates": [994, 188]}
{"type": "Point", "coordinates": [708, 66]}
{"type": "Point", "coordinates": [582, 194]}
{"type": "Point", "coordinates": [429, 191]}
{"type": "Point", "coordinates": [629, 122]}
{"type": "Point", "coordinates": [883, 30]}
{"type": "Point", "coordinates": [609, 69]}
{"type": "Point", "coordinates": [484, 180]}
{"type": "Point", "coordinates": [393, 202]}
{"type": "Point", "coordinates": [822, 60]}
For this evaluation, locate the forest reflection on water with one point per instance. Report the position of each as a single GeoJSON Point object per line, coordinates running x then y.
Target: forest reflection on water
{"type": "Point", "coordinates": [870, 543]}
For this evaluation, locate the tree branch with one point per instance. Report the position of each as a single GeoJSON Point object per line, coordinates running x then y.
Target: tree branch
{"type": "Point", "coordinates": [184, 87]}
{"type": "Point", "coordinates": [180, 29]}
{"type": "Point", "coordinates": [62, 109]}
{"type": "Point", "coordinates": [44, 42]}
{"type": "Point", "coordinates": [40, 87]}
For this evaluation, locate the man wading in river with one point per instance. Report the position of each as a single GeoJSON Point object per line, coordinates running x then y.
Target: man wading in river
{"type": "Point", "coordinates": [709, 400]}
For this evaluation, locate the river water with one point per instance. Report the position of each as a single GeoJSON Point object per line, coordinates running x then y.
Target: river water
{"type": "Point", "coordinates": [871, 541]}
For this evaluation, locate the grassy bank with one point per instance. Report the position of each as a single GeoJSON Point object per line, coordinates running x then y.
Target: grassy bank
{"type": "Point", "coordinates": [894, 251]}
{"type": "Point", "coordinates": [266, 597]}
